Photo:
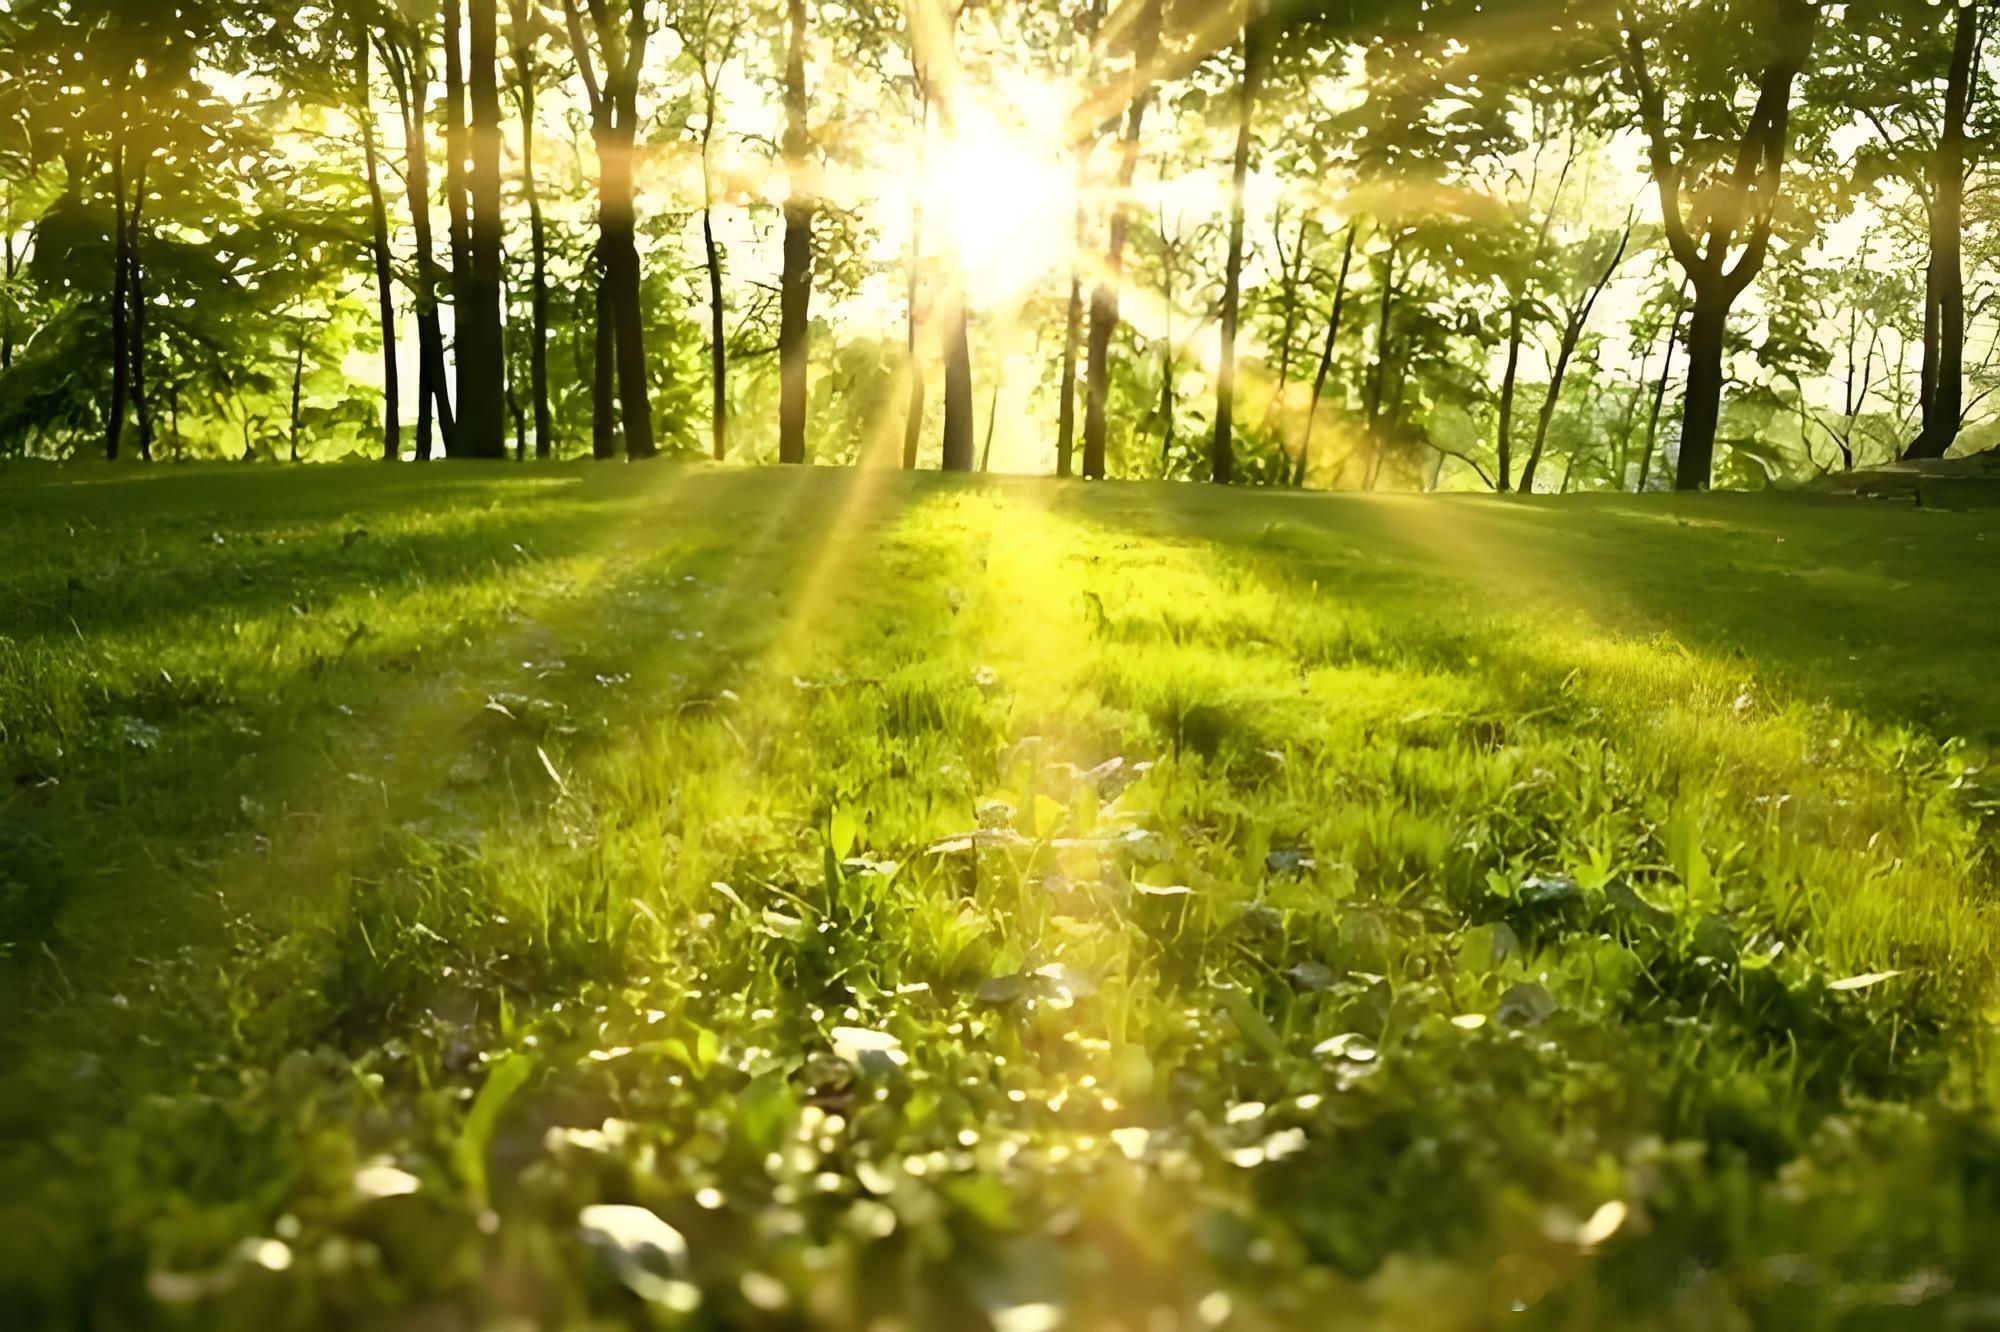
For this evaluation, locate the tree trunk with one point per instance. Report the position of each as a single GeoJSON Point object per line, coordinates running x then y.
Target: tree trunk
{"type": "Point", "coordinates": [378, 216]}
{"type": "Point", "coordinates": [1659, 400]}
{"type": "Point", "coordinates": [1944, 316]}
{"type": "Point", "coordinates": [457, 207]}
{"type": "Point", "coordinates": [141, 404]}
{"type": "Point", "coordinates": [1504, 441]}
{"type": "Point", "coordinates": [12, 269]}
{"type": "Point", "coordinates": [958, 408]}
{"type": "Point", "coordinates": [538, 239]}
{"type": "Point", "coordinates": [1573, 326]}
{"type": "Point", "coordinates": [482, 359]}
{"type": "Point", "coordinates": [1326, 354]}
{"type": "Point", "coordinates": [913, 411]}
{"type": "Point", "coordinates": [992, 427]}
{"type": "Point", "coordinates": [1072, 336]}
{"type": "Point", "coordinates": [1222, 452]}
{"type": "Point", "coordinates": [1708, 325]}
{"type": "Point", "coordinates": [298, 384]}
{"type": "Point", "coordinates": [411, 77]}
{"type": "Point", "coordinates": [795, 286]}
{"type": "Point", "coordinates": [604, 372]}
{"type": "Point", "coordinates": [620, 229]}
{"type": "Point", "coordinates": [1379, 376]}
{"type": "Point", "coordinates": [121, 352]}
{"type": "Point", "coordinates": [1104, 298]}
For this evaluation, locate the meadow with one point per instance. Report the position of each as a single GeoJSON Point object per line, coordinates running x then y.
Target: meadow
{"type": "Point", "coordinates": [482, 897]}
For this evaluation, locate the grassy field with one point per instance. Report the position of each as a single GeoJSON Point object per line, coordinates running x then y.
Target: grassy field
{"type": "Point", "coordinates": [460, 898]}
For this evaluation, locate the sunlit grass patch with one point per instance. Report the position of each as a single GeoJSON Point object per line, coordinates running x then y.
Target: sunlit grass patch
{"type": "Point", "coordinates": [936, 902]}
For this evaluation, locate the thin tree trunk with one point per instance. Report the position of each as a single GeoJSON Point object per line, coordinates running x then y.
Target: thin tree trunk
{"type": "Point", "coordinates": [1579, 319]}
{"type": "Point", "coordinates": [538, 236]}
{"type": "Point", "coordinates": [795, 286]}
{"type": "Point", "coordinates": [298, 384]}
{"type": "Point", "coordinates": [378, 216]}
{"type": "Point", "coordinates": [1326, 354]}
{"type": "Point", "coordinates": [992, 427]}
{"type": "Point", "coordinates": [114, 425]}
{"type": "Point", "coordinates": [412, 78]}
{"type": "Point", "coordinates": [142, 406]}
{"type": "Point", "coordinates": [12, 268]}
{"type": "Point", "coordinates": [1378, 378]}
{"type": "Point", "coordinates": [604, 373]}
{"type": "Point", "coordinates": [457, 206]}
{"type": "Point", "coordinates": [1504, 440]}
{"type": "Point", "coordinates": [1072, 336]}
{"type": "Point", "coordinates": [1659, 400]}
{"type": "Point", "coordinates": [1222, 452]}
{"type": "Point", "coordinates": [1104, 298]}
{"type": "Point", "coordinates": [482, 359]}
{"type": "Point", "coordinates": [1944, 315]}
{"type": "Point", "coordinates": [913, 413]}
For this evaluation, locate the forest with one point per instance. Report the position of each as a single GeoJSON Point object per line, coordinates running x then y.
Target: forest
{"type": "Point", "coordinates": [1546, 245]}
{"type": "Point", "coordinates": [1057, 665]}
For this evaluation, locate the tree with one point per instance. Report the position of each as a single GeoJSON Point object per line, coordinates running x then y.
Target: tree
{"type": "Point", "coordinates": [795, 284]}
{"type": "Point", "coordinates": [1222, 455]}
{"type": "Point", "coordinates": [613, 102]}
{"type": "Point", "coordinates": [1714, 208]}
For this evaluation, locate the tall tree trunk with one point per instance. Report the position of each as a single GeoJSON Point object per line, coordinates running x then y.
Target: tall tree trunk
{"type": "Point", "coordinates": [1708, 324]}
{"type": "Point", "coordinates": [1104, 298]}
{"type": "Point", "coordinates": [620, 227]}
{"type": "Point", "coordinates": [1504, 439]}
{"type": "Point", "coordinates": [1379, 376]}
{"type": "Point", "coordinates": [1222, 453]}
{"type": "Point", "coordinates": [1944, 316]}
{"type": "Point", "coordinates": [958, 408]}
{"type": "Point", "coordinates": [410, 71]}
{"type": "Point", "coordinates": [298, 384]}
{"type": "Point", "coordinates": [1659, 400]}
{"type": "Point", "coordinates": [378, 216]}
{"type": "Point", "coordinates": [795, 286]}
{"type": "Point", "coordinates": [457, 206]}
{"type": "Point", "coordinates": [482, 358]}
{"type": "Point", "coordinates": [913, 413]}
{"type": "Point", "coordinates": [992, 427]}
{"type": "Point", "coordinates": [538, 233]}
{"type": "Point", "coordinates": [604, 372]}
{"type": "Point", "coordinates": [142, 406]}
{"type": "Point", "coordinates": [1072, 336]}
{"type": "Point", "coordinates": [12, 269]}
{"type": "Point", "coordinates": [121, 352]}
{"type": "Point", "coordinates": [1326, 353]}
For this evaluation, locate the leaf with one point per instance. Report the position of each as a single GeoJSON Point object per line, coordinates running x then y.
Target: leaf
{"type": "Point", "coordinates": [1048, 816]}
{"type": "Point", "coordinates": [1862, 982]}
{"type": "Point", "coordinates": [504, 1078]}
{"type": "Point", "coordinates": [1251, 1021]}
{"type": "Point", "coordinates": [842, 829]}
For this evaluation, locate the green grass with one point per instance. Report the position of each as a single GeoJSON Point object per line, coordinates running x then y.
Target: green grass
{"type": "Point", "coordinates": [951, 904]}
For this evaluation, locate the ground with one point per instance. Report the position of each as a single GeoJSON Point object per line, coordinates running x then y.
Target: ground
{"type": "Point", "coordinates": [504, 897]}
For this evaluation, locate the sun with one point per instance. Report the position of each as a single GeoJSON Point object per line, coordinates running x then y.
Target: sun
{"type": "Point", "coordinates": [1001, 195]}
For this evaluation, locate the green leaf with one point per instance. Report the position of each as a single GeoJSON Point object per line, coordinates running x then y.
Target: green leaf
{"type": "Point", "coordinates": [504, 1078]}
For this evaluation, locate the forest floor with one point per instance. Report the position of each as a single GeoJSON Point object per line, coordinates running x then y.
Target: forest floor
{"type": "Point", "coordinates": [493, 897]}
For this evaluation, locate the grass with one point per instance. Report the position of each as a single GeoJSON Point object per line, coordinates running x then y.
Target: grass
{"type": "Point", "coordinates": [960, 904]}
